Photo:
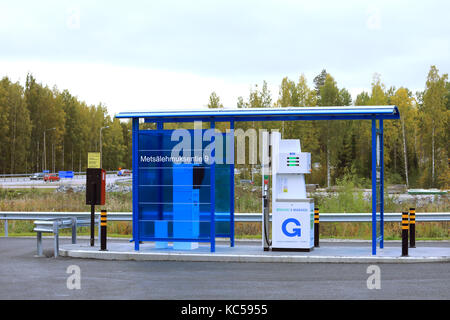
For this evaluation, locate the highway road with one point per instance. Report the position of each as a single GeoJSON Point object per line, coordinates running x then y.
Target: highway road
{"type": "Point", "coordinates": [23, 182]}
{"type": "Point", "coordinates": [24, 276]}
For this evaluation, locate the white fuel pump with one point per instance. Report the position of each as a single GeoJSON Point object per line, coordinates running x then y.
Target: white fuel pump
{"type": "Point", "coordinates": [292, 211]}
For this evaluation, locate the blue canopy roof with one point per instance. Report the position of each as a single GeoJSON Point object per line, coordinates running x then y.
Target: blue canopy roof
{"type": "Point", "coordinates": [268, 114]}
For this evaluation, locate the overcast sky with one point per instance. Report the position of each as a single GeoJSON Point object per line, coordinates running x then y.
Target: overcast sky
{"type": "Point", "coordinates": [146, 55]}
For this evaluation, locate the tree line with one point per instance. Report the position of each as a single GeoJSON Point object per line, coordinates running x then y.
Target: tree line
{"type": "Point", "coordinates": [43, 128]}
{"type": "Point", "coordinates": [415, 147]}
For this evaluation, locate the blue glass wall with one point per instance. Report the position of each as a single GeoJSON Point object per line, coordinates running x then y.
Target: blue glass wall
{"type": "Point", "coordinates": [175, 197]}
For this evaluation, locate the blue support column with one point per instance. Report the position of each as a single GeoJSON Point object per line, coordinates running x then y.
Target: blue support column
{"type": "Point", "coordinates": [231, 137]}
{"type": "Point", "coordinates": [160, 127]}
{"type": "Point", "coordinates": [213, 190]}
{"type": "Point", "coordinates": [161, 226]}
{"type": "Point", "coordinates": [374, 186]}
{"type": "Point", "coordinates": [135, 186]}
{"type": "Point", "coordinates": [381, 185]}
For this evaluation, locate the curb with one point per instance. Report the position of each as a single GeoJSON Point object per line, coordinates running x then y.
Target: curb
{"type": "Point", "coordinates": [218, 241]}
{"type": "Point", "coordinates": [217, 257]}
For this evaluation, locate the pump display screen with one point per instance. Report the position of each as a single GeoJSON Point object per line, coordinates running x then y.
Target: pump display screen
{"type": "Point", "coordinates": [294, 162]}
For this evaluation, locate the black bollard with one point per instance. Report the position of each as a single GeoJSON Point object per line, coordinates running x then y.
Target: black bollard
{"type": "Point", "coordinates": [405, 228]}
{"type": "Point", "coordinates": [412, 227]}
{"type": "Point", "coordinates": [316, 227]}
{"type": "Point", "coordinates": [103, 230]}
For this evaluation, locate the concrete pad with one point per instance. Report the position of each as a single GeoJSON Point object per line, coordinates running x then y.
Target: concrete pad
{"type": "Point", "coordinates": [252, 252]}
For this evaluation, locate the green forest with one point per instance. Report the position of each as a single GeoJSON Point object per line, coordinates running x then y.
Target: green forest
{"type": "Point", "coordinates": [45, 128]}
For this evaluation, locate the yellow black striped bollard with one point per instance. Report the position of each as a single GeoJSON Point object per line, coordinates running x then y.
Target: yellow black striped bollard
{"type": "Point", "coordinates": [405, 224]}
{"type": "Point", "coordinates": [412, 227]}
{"type": "Point", "coordinates": [103, 223]}
{"type": "Point", "coordinates": [316, 227]}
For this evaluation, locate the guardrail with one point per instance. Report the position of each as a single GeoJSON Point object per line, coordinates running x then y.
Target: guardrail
{"type": "Point", "coordinates": [356, 217]}
{"type": "Point", "coordinates": [53, 225]}
{"type": "Point", "coordinates": [238, 217]}
{"type": "Point", "coordinates": [16, 177]}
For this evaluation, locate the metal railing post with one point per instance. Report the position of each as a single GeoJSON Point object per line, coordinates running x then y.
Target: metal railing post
{"type": "Point", "coordinates": [74, 230]}
{"type": "Point", "coordinates": [56, 238]}
{"type": "Point", "coordinates": [39, 243]}
{"type": "Point", "coordinates": [6, 228]}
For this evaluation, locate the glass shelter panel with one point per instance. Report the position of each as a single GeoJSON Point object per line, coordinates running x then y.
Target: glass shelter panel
{"type": "Point", "coordinates": [378, 188]}
{"type": "Point", "coordinates": [175, 188]}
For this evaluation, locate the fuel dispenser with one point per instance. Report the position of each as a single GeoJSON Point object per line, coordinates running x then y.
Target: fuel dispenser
{"type": "Point", "coordinates": [292, 211]}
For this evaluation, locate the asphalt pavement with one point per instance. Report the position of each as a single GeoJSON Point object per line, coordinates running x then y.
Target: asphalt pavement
{"type": "Point", "coordinates": [25, 276]}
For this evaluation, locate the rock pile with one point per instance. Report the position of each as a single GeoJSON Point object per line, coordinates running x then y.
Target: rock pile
{"type": "Point", "coordinates": [110, 187]}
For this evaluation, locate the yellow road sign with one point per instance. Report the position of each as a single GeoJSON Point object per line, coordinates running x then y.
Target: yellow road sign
{"type": "Point", "coordinates": [94, 160]}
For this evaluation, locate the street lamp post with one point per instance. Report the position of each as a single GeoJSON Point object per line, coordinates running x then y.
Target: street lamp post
{"type": "Point", "coordinates": [53, 157]}
{"type": "Point", "coordinates": [45, 155]}
{"type": "Point", "coordinates": [101, 163]}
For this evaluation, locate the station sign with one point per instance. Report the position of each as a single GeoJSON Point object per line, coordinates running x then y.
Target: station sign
{"type": "Point", "coordinates": [93, 160]}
